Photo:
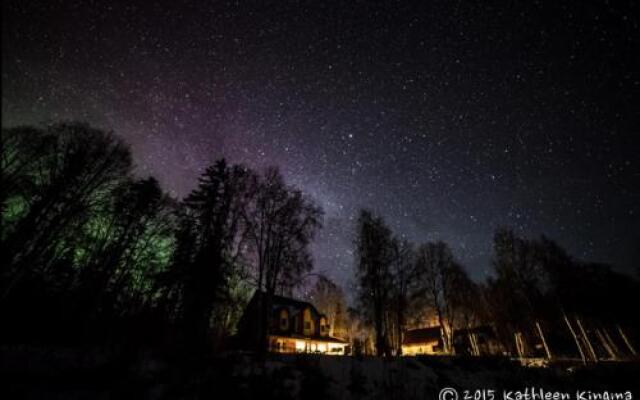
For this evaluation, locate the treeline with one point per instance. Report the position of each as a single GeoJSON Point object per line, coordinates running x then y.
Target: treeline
{"type": "Point", "coordinates": [539, 301]}
{"type": "Point", "coordinates": [90, 253]}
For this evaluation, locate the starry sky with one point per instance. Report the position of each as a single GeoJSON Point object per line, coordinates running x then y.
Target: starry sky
{"type": "Point", "coordinates": [449, 118]}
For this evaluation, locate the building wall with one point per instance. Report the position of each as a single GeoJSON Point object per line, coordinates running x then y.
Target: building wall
{"type": "Point", "coordinates": [421, 348]}
{"type": "Point", "coordinates": [284, 320]}
{"type": "Point", "coordinates": [308, 324]}
{"type": "Point", "coordinates": [282, 344]}
{"type": "Point", "coordinates": [324, 327]}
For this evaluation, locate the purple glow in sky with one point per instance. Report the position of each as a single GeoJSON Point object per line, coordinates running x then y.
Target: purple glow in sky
{"type": "Point", "coordinates": [449, 119]}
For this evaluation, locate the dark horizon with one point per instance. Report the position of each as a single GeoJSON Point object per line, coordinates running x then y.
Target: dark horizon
{"type": "Point", "coordinates": [449, 119]}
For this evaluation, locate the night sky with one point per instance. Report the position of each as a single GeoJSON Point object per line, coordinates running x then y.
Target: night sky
{"type": "Point", "coordinates": [449, 120]}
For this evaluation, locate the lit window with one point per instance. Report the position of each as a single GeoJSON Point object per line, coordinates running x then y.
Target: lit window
{"type": "Point", "coordinates": [284, 320]}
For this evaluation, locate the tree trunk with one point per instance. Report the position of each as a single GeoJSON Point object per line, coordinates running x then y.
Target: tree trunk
{"type": "Point", "coordinates": [627, 342]}
{"type": "Point", "coordinates": [379, 327]}
{"type": "Point", "coordinates": [519, 344]}
{"type": "Point", "coordinates": [606, 345]}
{"type": "Point", "coordinates": [544, 341]}
{"type": "Point", "coordinates": [613, 344]}
{"type": "Point", "coordinates": [575, 337]}
{"type": "Point", "coordinates": [474, 344]}
{"type": "Point", "coordinates": [586, 338]}
{"type": "Point", "coordinates": [400, 327]}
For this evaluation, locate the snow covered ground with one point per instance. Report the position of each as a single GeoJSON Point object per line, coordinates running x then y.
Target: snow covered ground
{"type": "Point", "coordinates": [101, 373]}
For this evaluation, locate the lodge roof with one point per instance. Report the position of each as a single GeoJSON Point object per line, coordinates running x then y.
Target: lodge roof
{"type": "Point", "coordinates": [422, 335]}
{"type": "Point", "coordinates": [292, 305]}
{"type": "Point", "coordinates": [290, 302]}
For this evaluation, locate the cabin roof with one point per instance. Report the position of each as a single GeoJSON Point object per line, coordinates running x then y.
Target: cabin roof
{"type": "Point", "coordinates": [422, 335]}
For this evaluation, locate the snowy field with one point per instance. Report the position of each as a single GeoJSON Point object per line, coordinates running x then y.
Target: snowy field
{"type": "Point", "coordinates": [101, 374]}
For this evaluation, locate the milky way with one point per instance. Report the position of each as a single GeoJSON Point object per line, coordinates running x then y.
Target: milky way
{"type": "Point", "coordinates": [449, 120]}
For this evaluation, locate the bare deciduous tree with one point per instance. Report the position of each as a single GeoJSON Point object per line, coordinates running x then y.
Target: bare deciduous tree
{"type": "Point", "coordinates": [442, 281]}
{"type": "Point", "coordinates": [281, 223]}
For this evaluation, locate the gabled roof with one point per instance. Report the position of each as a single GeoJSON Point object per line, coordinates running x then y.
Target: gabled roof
{"type": "Point", "coordinates": [422, 335]}
{"type": "Point", "coordinates": [294, 306]}
{"type": "Point", "coordinates": [288, 301]}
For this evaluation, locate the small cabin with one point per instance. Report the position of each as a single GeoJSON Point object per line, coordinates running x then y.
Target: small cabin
{"type": "Point", "coordinates": [422, 341]}
{"type": "Point", "coordinates": [477, 341]}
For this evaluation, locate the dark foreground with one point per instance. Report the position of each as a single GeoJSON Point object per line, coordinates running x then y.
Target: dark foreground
{"type": "Point", "coordinates": [35, 373]}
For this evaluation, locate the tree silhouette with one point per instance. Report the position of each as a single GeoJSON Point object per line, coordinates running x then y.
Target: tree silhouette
{"type": "Point", "coordinates": [73, 169]}
{"type": "Point", "coordinates": [539, 291]}
{"type": "Point", "coordinates": [99, 255]}
{"type": "Point", "coordinates": [445, 285]}
{"type": "Point", "coordinates": [281, 223]}
{"type": "Point", "coordinates": [403, 289]}
{"type": "Point", "coordinates": [374, 276]}
{"type": "Point", "coordinates": [209, 246]}
{"type": "Point", "coordinates": [124, 246]}
{"type": "Point", "coordinates": [329, 299]}
{"type": "Point", "coordinates": [81, 238]}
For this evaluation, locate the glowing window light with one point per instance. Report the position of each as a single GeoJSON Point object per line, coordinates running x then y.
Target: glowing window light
{"type": "Point", "coordinates": [336, 348]}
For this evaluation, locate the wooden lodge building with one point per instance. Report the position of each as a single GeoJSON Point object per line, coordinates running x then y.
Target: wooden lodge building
{"type": "Point", "coordinates": [294, 326]}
